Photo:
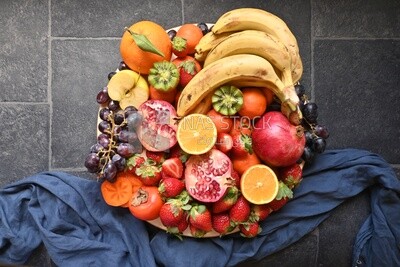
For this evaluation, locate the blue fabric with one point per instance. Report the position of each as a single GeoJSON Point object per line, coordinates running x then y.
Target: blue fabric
{"type": "Point", "coordinates": [68, 215]}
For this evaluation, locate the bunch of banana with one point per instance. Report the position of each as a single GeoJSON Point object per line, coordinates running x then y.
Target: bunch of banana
{"type": "Point", "coordinates": [242, 19]}
{"type": "Point", "coordinates": [246, 47]}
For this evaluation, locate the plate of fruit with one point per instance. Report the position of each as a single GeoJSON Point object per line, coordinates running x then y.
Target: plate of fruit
{"type": "Point", "coordinates": [204, 129]}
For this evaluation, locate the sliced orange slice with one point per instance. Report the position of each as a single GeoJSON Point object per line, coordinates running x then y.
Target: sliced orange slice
{"type": "Point", "coordinates": [196, 134]}
{"type": "Point", "coordinates": [259, 184]}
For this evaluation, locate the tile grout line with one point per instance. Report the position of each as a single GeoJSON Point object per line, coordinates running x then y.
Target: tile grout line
{"type": "Point", "coordinates": [312, 52]}
{"type": "Point", "coordinates": [183, 11]}
{"type": "Point", "coordinates": [49, 84]}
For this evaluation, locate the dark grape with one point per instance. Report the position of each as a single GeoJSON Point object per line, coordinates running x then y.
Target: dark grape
{"type": "Point", "coordinates": [134, 120]}
{"type": "Point", "coordinates": [96, 148]}
{"type": "Point", "coordinates": [92, 162]}
{"type": "Point", "coordinates": [203, 27]}
{"type": "Point", "coordinates": [104, 140]}
{"type": "Point", "coordinates": [300, 90]}
{"type": "Point", "coordinates": [310, 112]}
{"type": "Point", "coordinates": [309, 138]}
{"type": "Point", "coordinates": [102, 96]}
{"type": "Point", "coordinates": [105, 114]}
{"type": "Point", "coordinates": [127, 136]}
{"type": "Point", "coordinates": [110, 171]}
{"type": "Point", "coordinates": [308, 155]}
{"type": "Point", "coordinates": [122, 66]}
{"type": "Point", "coordinates": [171, 34]}
{"type": "Point", "coordinates": [274, 106]}
{"type": "Point", "coordinates": [319, 145]}
{"type": "Point", "coordinates": [104, 127]}
{"type": "Point", "coordinates": [129, 110]}
{"type": "Point", "coordinates": [119, 118]}
{"type": "Point", "coordinates": [119, 162]}
{"type": "Point", "coordinates": [321, 131]}
{"type": "Point", "coordinates": [111, 74]}
{"type": "Point", "coordinates": [113, 105]}
{"type": "Point", "coordinates": [126, 150]}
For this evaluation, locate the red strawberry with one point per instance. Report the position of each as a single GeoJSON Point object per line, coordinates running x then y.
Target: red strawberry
{"type": "Point", "coordinates": [196, 232]}
{"type": "Point", "coordinates": [157, 157]}
{"type": "Point", "coordinates": [224, 142]}
{"type": "Point", "coordinates": [283, 196]}
{"type": "Point", "coordinates": [135, 162]}
{"type": "Point", "coordinates": [260, 212]}
{"type": "Point", "coordinates": [240, 212]}
{"type": "Point", "coordinates": [177, 152]}
{"type": "Point", "coordinates": [172, 167]}
{"type": "Point", "coordinates": [291, 175]}
{"type": "Point", "coordinates": [187, 70]}
{"type": "Point", "coordinates": [236, 177]}
{"type": "Point", "coordinates": [179, 47]}
{"type": "Point", "coordinates": [242, 144]}
{"type": "Point", "coordinates": [250, 229]}
{"type": "Point", "coordinates": [171, 214]}
{"type": "Point", "coordinates": [200, 218]}
{"type": "Point", "coordinates": [227, 201]}
{"type": "Point", "coordinates": [149, 172]}
{"type": "Point", "coordinates": [170, 187]}
{"type": "Point", "coordinates": [222, 224]}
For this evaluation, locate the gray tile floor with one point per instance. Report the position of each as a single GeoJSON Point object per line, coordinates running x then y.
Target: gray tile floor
{"type": "Point", "coordinates": [55, 57]}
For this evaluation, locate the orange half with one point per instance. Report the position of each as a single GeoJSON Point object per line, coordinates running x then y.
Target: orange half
{"type": "Point", "coordinates": [259, 184]}
{"type": "Point", "coordinates": [196, 134]}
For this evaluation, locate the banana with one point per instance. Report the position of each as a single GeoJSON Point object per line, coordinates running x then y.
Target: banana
{"type": "Point", "coordinates": [258, 19]}
{"type": "Point", "coordinates": [207, 42]}
{"type": "Point", "coordinates": [204, 105]}
{"type": "Point", "coordinates": [257, 43]}
{"type": "Point", "coordinates": [241, 70]}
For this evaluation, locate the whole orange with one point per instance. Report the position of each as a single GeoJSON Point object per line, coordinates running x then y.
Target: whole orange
{"type": "Point", "coordinates": [137, 59]}
{"type": "Point", "coordinates": [241, 164]}
{"type": "Point", "coordinates": [254, 102]}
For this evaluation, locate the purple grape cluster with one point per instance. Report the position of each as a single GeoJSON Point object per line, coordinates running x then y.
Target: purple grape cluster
{"type": "Point", "coordinates": [315, 132]}
{"type": "Point", "coordinates": [117, 139]}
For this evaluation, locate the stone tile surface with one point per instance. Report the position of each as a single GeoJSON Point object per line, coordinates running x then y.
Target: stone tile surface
{"type": "Point", "coordinates": [24, 140]}
{"type": "Point", "coordinates": [23, 51]}
{"type": "Point", "coordinates": [80, 69]}
{"type": "Point", "coordinates": [356, 88]}
{"type": "Point", "coordinates": [338, 233]}
{"type": "Point", "coordinates": [107, 19]}
{"type": "Point", "coordinates": [301, 253]}
{"type": "Point", "coordinates": [53, 64]}
{"type": "Point", "coordinates": [357, 18]}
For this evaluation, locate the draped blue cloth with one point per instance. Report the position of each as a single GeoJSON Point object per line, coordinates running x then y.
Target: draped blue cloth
{"type": "Point", "coordinates": [67, 213]}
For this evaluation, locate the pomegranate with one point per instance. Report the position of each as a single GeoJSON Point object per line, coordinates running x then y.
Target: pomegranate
{"type": "Point", "coordinates": [207, 176]}
{"type": "Point", "coordinates": [276, 141]}
{"type": "Point", "coordinates": [157, 131]}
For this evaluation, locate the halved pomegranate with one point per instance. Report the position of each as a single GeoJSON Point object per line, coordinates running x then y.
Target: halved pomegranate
{"type": "Point", "coordinates": [207, 176]}
{"type": "Point", "coordinates": [157, 131]}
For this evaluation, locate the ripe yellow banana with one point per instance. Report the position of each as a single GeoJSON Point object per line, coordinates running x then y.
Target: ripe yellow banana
{"type": "Point", "coordinates": [204, 105]}
{"type": "Point", "coordinates": [242, 69]}
{"type": "Point", "coordinates": [207, 42]}
{"type": "Point", "coordinates": [257, 19]}
{"type": "Point", "coordinates": [256, 43]}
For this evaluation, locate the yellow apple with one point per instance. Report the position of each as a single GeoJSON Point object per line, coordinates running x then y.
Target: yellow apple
{"type": "Point", "coordinates": [129, 88]}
